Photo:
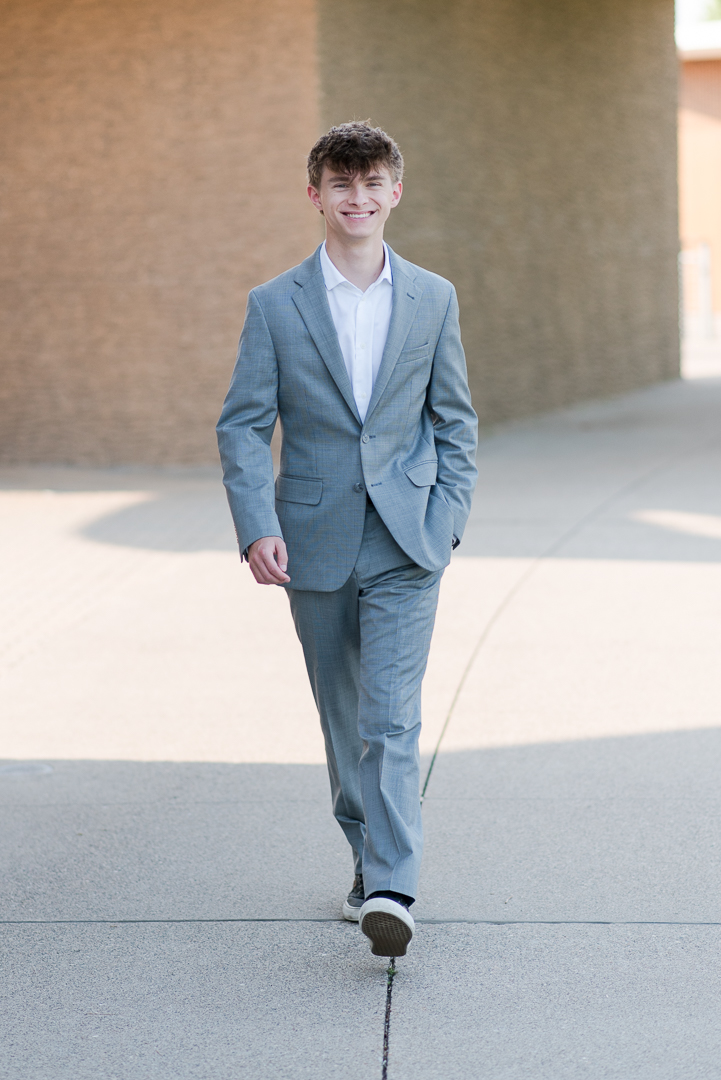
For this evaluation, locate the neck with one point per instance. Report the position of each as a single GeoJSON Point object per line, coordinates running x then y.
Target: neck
{"type": "Point", "coordinates": [361, 262]}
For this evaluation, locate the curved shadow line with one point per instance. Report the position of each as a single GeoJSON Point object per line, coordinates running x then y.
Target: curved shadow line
{"type": "Point", "coordinates": [530, 570]}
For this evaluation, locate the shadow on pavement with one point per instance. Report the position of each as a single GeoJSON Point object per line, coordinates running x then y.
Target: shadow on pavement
{"type": "Point", "coordinates": [595, 829]}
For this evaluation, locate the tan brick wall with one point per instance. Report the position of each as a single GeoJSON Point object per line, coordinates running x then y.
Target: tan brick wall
{"type": "Point", "coordinates": [540, 141]}
{"type": "Point", "coordinates": [153, 171]}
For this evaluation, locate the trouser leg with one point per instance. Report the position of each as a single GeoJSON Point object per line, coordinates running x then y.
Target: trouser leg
{"type": "Point", "coordinates": [396, 611]}
{"type": "Point", "coordinates": [328, 628]}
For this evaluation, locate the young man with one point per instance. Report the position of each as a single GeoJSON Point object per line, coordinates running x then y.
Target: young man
{"type": "Point", "coordinates": [359, 355]}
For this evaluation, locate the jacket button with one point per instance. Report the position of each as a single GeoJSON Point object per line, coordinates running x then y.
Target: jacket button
{"type": "Point", "coordinates": [364, 438]}
{"type": "Point", "coordinates": [357, 487]}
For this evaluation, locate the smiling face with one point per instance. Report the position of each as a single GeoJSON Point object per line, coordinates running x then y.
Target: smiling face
{"type": "Point", "coordinates": [356, 207]}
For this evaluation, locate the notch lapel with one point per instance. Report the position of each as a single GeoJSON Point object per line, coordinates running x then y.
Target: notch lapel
{"type": "Point", "coordinates": [406, 299]}
{"type": "Point", "coordinates": [312, 303]}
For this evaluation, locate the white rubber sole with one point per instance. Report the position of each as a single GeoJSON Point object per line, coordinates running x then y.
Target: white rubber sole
{"type": "Point", "coordinates": [352, 914]}
{"type": "Point", "coordinates": [388, 926]}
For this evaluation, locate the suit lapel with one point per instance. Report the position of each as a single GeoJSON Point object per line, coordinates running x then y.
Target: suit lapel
{"type": "Point", "coordinates": [312, 303]}
{"type": "Point", "coordinates": [406, 299]}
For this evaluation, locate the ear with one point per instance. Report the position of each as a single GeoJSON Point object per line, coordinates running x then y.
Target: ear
{"type": "Point", "coordinates": [314, 197]}
{"type": "Point", "coordinates": [397, 192]}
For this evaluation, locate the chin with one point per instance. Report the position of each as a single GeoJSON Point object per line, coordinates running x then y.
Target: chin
{"type": "Point", "coordinates": [365, 228]}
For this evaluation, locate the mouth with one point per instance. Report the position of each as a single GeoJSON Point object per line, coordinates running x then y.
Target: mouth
{"type": "Point", "coordinates": [359, 217]}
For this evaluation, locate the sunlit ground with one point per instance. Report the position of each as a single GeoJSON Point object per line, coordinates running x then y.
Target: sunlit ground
{"type": "Point", "coordinates": [582, 603]}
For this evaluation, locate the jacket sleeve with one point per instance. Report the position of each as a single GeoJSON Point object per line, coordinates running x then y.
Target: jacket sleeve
{"type": "Point", "coordinates": [455, 424]}
{"type": "Point", "coordinates": [245, 430]}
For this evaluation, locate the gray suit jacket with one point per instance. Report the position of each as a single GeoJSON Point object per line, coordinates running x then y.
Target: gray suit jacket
{"type": "Point", "coordinates": [415, 453]}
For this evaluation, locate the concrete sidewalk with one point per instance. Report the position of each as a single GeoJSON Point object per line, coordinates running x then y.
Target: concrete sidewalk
{"type": "Point", "coordinates": [172, 875]}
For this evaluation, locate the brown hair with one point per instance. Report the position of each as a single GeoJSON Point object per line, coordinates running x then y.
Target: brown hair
{"type": "Point", "coordinates": [356, 147]}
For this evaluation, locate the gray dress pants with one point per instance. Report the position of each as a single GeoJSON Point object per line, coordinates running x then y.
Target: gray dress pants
{"type": "Point", "coordinates": [366, 647]}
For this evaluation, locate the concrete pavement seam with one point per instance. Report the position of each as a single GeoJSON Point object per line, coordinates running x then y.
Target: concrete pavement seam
{"type": "Point", "coordinates": [391, 972]}
{"type": "Point", "coordinates": [420, 921]}
{"type": "Point", "coordinates": [131, 922]}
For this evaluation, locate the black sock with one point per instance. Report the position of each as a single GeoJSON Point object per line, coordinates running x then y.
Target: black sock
{"type": "Point", "coordinates": [399, 898]}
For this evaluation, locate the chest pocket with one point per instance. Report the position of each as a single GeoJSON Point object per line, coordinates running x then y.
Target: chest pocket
{"type": "Point", "coordinates": [298, 489]}
{"type": "Point", "coordinates": [412, 355]}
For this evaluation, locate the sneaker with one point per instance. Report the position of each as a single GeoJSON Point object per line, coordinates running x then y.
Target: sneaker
{"type": "Point", "coordinates": [354, 901]}
{"type": "Point", "coordinates": [388, 924]}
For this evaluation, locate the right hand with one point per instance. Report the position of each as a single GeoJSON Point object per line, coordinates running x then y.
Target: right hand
{"type": "Point", "coordinates": [268, 560]}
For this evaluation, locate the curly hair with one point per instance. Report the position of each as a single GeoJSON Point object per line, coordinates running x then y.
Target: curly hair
{"type": "Point", "coordinates": [355, 147]}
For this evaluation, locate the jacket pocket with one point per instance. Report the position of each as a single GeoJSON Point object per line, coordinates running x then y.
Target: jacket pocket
{"type": "Point", "coordinates": [423, 474]}
{"type": "Point", "coordinates": [409, 355]}
{"type": "Point", "coordinates": [298, 489]}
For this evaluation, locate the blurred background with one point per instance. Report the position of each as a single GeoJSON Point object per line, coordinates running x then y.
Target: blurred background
{"type": "Point", "coordinates": [153, 172]}
{"type": "Point", "coordinates": [698, 35]}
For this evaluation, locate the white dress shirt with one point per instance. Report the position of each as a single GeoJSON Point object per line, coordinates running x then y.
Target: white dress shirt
{"type": "Point", "coordinates": [361, 320]}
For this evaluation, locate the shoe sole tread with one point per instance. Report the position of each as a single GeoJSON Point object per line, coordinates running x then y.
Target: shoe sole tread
{"type": "Point", "coordinates": [388, 934]}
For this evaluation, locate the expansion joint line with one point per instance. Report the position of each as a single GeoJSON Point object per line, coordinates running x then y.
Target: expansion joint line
{"type": "Point", "coordinates": [428, 922]}
{"type": "Point", "coordinates": [531, 569]}
{"type": "Point", "coordinates": [391, 973]}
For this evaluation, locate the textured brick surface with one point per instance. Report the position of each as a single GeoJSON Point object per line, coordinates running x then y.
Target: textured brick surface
{"type": "Point", "coordinates": [540, 142]}
{"type": "Point", "coordinates": [153, 172]}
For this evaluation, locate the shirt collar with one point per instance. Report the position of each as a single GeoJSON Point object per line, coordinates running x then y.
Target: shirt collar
{"type": "Point", "coordinates": [332, 275]}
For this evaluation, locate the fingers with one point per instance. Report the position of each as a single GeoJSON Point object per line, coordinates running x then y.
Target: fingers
{"type": "Point", "coordinates": [268, 560]}
{"type": "Point", "coordinates": [264, 569]}
{"type": "Point", "coordinates": [281, 554]}
{"type": "Point", "coordinates": [273, 572]}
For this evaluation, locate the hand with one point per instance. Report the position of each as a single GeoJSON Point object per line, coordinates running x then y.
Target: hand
{"type": "Point", "coordinates": [268, 560]}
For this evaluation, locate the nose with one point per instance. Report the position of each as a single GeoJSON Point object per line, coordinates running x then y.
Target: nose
{"type": "Point", "coordinates": [357, 195]}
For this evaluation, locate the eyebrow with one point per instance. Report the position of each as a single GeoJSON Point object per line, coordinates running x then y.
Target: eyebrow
{"type": "Point", "coordinates": [344, 178]}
